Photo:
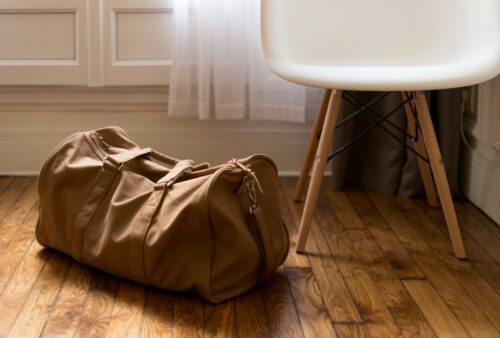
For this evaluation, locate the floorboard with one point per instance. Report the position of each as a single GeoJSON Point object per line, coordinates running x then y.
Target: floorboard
{"type": "Point", "coordinates": [374, 266]}
{"type": "Point", "coordinates": [251, 317]}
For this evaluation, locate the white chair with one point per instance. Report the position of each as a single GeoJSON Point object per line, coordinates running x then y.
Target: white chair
{"type": "Point", "coordinates": [382, 45]}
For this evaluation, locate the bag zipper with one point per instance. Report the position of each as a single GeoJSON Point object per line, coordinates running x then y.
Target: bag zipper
{"type": "Point", "coordinates": [95, 139]}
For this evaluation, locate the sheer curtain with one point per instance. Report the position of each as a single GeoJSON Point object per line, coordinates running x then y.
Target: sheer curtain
{"type": "Point", "coordinates": [219, 71]}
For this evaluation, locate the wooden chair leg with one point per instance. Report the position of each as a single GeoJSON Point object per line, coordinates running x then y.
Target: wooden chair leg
{"type": "Point", "coordinates": [313, 146]}
{"type": "Point", "coordinates": [319, 168]}
{"type": "Point", "coordinates": [439, 173]}
{"type": "Point", "coordinates": [425, 172]}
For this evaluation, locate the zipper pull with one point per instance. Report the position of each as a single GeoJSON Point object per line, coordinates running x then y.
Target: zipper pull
{"type": "Point", "coordinates": [249, 173]}
{"type": "Point", "coordinates": [248, 184]}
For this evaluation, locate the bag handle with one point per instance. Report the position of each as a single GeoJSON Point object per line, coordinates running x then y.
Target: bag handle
{"type": "Point", "coordinates": [155, 155]}
{"type": "Point", "coordinates": [177, 171]}
{"type": "Point", "coordinates": [125, 156]}
{"type": "Point", "coordinates": [132, 150]}
{"type": "Point", "coordinates": [173, 161]}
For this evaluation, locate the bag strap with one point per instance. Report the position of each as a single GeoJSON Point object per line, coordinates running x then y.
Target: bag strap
{"type": "Point", "coordinates": [173, 161]}
{"type": "Point", "coordinates": [119, 136]}
{"type": "Point", "coordinates": [125, 156]}
{"type": "Point", "coordinates": [177, 171]}
{"type": "Point", "coordinates": [155, 155]}
{"type": "Point", "coordinates": [268, 254]}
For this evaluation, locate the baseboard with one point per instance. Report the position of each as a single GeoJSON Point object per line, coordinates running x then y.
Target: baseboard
{"type": "Point", "coordinates": [23, 151]}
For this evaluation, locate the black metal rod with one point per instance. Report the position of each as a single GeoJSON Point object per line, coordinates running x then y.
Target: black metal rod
{"type": "Point", "coordinates": [359, 102]}
{"type": "Point", "coordinates": [366, 131]}
{"type": "Point", "coordinates": [361, 109]}
{"type": "Point", "coordinates": [403, 142]}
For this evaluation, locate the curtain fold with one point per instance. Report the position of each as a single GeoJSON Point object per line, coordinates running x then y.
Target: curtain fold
{"type": "Point", "coordinates": [219, 70]}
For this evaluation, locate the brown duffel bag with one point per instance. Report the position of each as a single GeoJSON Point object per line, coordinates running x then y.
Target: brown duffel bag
{"type": "Point", "coordinates": [160, 221]}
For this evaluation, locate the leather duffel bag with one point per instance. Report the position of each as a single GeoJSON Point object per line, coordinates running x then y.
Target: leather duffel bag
{"type": "Point", "coordinates": [142, 215]}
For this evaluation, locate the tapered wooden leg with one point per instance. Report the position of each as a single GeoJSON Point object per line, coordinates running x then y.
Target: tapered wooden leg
{"type": "Point", "coordinates": [319, 168]}
{"type": "Point", "coordinates": [313, 146]}
{"type": "Point", "coordinates": [439, 174]}
{"type": "Point", "coordinates": [418, 143]}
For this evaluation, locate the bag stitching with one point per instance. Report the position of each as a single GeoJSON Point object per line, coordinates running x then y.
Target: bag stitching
{"type": "Point", "coordinates": [95, 210]}
{"type": "Point", "coordinates": [144, 236]}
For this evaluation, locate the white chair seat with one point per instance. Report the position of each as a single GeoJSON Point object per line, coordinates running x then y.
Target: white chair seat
{"type": "Point", "coordinates": [383, 44]}
{"type": "Point", "coordinates": [386, 78]}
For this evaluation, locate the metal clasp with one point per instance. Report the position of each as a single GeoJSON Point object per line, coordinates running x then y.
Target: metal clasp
{"type": "Point", "coordinates": [252, 195]}
{"type": "Point", "coordinates": [249, 180]}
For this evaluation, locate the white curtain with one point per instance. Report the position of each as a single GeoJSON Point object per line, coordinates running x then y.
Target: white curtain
{"type": "Point", "coordinates": [219, 71]}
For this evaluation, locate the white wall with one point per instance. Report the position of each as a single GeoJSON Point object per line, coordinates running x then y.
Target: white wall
{"type": "Point", "coordinates": [480, 179]}
{"type": "Point", "coordinates": [34, 119]}
{"type": "Point", "coordinates": [72, 65]}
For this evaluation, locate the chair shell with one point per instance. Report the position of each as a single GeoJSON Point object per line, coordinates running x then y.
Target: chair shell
{"type": "Point", "coordinates": [383, 44]}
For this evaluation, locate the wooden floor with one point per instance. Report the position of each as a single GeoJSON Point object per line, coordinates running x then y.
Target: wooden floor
{"type": "Point", "coordinates": [376, 265]}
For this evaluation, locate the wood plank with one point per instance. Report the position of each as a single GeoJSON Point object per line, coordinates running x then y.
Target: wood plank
{"type": "Point", "coordinates": [487, 238]}
{"type": "Point", "coordinates": [482, 293]}
{"type": "Point", "coordinates": [128, 310]}
{"type": "Point", "coordinates": [344, 209]}
{"type": "Point", "coordinates": [429, 233]}
{"type": "Point", "coordinates": [480, 288]}
{"type": "Point", "coordinates": [336, 296]}
{"type": "Point", "coordinates": [480, 216]}
{"type": "Point", "coordinates": [251, 316]}
{"type": "Point", "coordinates": [312, 313]}
{"type": "Point", "coordinates": [280, 308]}
{"type": "Point", "coordinates": [351, 330]}
{"type": "Point", "coordinates": [5, 181]}
{"type": "Point", "coordinates": [11, 194]}
{"type": "Point", "coordinates": [405, 311]}
{"type": "Point", "coordinates": [189, 319]}
{"type": "Point", "coordinates": [466, 310]}
{"type": "Point", "coordinates": [158, 314]}
{"type": "Point", "coordinates": [365, 293]}
{"type": "Point", "coordinates": [440, 317]}
{"type": "Point", "coordinates": [477, 257]}
{"type": "Point", "coordinates": [9, 225]}
{"type": "Point", "coordinates": [220, 320]}
{"type": "Point", "coordinates": [394, 251]}
{"type": "Point", "coordinates": [32, 317]}
{"type": "Point", "coordinates": [464, 275]}
{"type": "Point", "coordinates": [483, 263]}
{"type": "Point", "coordinates": [97, 310]}
{"type": "Point", "coordinates": [67, 309]}
{"type": "Point", "coordinates": [20, 284]}
{"type": "Point", "coordinates": [333, 288]}
{"type": "Point", "coordinates": [14, 251]}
